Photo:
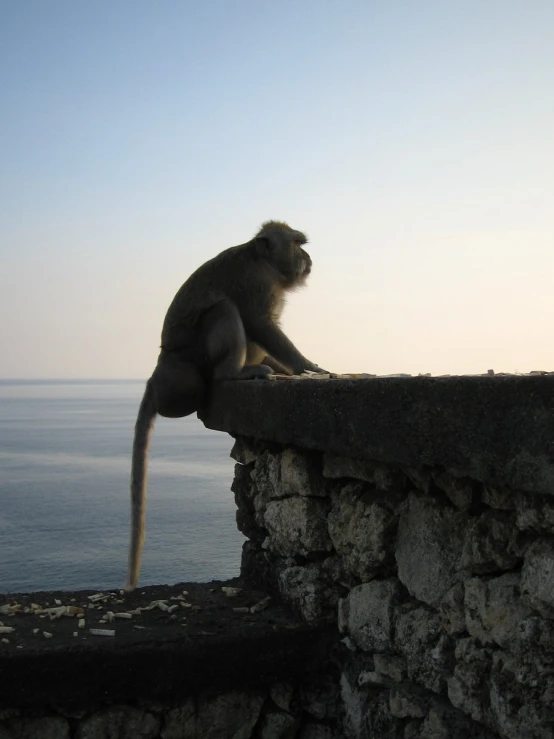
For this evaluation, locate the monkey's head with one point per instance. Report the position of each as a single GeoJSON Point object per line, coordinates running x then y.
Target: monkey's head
{"type": "Point", "coordinates": [281, 246]}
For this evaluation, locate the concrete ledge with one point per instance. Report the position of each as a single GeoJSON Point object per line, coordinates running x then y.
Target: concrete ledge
{"type": "Point", "coordinates": [497, 429]}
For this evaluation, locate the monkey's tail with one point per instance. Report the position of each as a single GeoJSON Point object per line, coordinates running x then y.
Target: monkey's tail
{"type": "Point", "coordinates": [139, 478]}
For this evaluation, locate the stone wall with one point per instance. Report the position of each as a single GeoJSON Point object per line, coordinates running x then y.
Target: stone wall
{"type": "Point", "coordinates": [269, 712]}
{"type": "Point", "coordinates": [437, 574]}
{"type": "Point", "coordinates": [408, 522]}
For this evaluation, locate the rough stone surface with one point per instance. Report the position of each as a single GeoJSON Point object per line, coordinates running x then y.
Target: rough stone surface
{"type": "Point", "coordinates": [467, 688]}
{"type": "Point", "coordinates": [452, 610]}
{"type": "Point", "coordinates": [503, 499]}
{"type": "Point", "coordinates": [366, 615]}
{"type": "Point", "coordinates": [494, 608]}
{"type": "Point", "coordinates": [535, 513]}
{"type": "Point", "coordinates": [309, 592]}
{"type": "Point", "coordinates": [427, 649]}
{"type": "Point", "coordinates": [406, 703]}
{"type": "Point", "coordinates": [432, 534]}
{"type": "Point", "coordinates": [520, 700]}
{"type": "Point", "coordinates": [538, 577]}
{"type": "Point", "coordinates": [362, 530]}
{"type": "Point", "coordinates": [391, 666]}
{"type": "Point", "coordinates": [297, 526]}
{"type": "Point", "coordinates": [290, 473]}
{"type": "Point", "coordinates": [301, 475]}
{"type": "Point", "coordinates": [489, 543]}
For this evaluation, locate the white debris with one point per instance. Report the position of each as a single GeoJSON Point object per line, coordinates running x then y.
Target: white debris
{"type": "Point", "coordinates": [102, 632]}
{"type": "Point", "coordinates": [81, 623]}
{"type": "Point", "coordinates": [47, 634]}
{"type": "Point", "coordinates": [261, 605]}
{"type": "Point", "coordinates": [6, 629]}
{"type": "Point", "coordinates": [123, 615]}
{"type": "Point", "coordinates": [96, 597]}
{"type": "Point", "coordinates": [231, 592]}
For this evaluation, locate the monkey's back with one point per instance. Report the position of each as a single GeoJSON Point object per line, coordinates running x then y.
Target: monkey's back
{"type": "Point", "coordinates": [234, 274]}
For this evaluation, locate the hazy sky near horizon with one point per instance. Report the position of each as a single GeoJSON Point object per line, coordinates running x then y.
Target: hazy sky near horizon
{"type": "Point", "coordinates": [413, 140]}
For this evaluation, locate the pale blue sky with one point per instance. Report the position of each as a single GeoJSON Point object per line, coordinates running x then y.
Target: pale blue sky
{"type": "Point", "coordinates": [413, 140]}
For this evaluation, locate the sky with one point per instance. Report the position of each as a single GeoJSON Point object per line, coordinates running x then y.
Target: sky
{"type": "Point", "coordinates": [412, 140]}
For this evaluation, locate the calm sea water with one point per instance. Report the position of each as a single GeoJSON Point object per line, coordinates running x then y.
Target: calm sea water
{"type": "Point", "coordinates": [64, 490]}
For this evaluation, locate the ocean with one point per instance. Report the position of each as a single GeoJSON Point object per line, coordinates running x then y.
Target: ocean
{"type": "Point", "coordinates": [65, 451]}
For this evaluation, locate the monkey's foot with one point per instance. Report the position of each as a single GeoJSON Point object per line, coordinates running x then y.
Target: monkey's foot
{"type": "Point", "coordinates": [254, 372]}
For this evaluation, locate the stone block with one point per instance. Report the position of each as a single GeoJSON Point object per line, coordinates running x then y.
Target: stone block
{"type": "Point", "coordinates": [300, 475]}
{"type": "Point", "coordinates": [407, 703]}
{"type": "Point", "coordinates": [452, 611]}
{"type": "Point", "coordinates": [297, 526]}
{"type": "Point", "coordinates": [520, 699]}
{"type": "Point", "coordinates": [391, 666]}
{"type": "Point", "coordinates": [488, 546]}
{"type": "Point", "coordinates": [429, 547]}
{"type": "Point", "coordinates": [362, 530]}
{"type": "Point", "coordinates": [467, 688]}
{"type": "Point", "coordinates": [289, 473]}
{"type": "Point", "coordinates": [309, 592]}
{"type": "Point", "coordinates": [503, 499]}
{"type": "Point", "coordinates": [535, 513]}
{"type": "Point", "coordinates": [537, 580]}
{"type": "Point", "coordinates": [244, 451]}
{"type": "Point", "coordinates": [494, 608]}
{"type": "Point", "coordinates": [366, 614]}
{"type": "Point", "coordinates": [426, 648]}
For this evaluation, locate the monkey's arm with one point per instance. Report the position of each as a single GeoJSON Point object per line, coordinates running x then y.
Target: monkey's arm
{"type": "Point", "coordinates": [271, 338]}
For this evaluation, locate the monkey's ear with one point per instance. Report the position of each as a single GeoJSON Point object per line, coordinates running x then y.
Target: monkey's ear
{"type": "Point", "coordinates": [263, 246]}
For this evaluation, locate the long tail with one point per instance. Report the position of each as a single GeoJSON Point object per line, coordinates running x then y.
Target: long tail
{"type": "Point", "coordinates": [139, 477]}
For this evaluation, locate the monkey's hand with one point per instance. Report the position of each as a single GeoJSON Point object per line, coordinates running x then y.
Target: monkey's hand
{"type": "Point", "coordinates": [311, 367]}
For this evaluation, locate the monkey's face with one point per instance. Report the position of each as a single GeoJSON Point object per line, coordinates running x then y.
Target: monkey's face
{"type": "Point", "coordinates": [292, 262]}
{"type": "Point", "coordinates": [285, 254]}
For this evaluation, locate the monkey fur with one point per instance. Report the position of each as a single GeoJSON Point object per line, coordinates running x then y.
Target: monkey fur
{"type": "Point", "coordinates": [223, 324]}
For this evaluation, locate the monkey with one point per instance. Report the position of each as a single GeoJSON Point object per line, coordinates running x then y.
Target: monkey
{"type": "Point", "coordinates": [223, 324]}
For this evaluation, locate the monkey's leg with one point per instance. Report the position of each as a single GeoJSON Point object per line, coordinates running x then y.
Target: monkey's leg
{"type": "Point", "coordinates": [279, 346]}
{"type": "Point", "coordinates": [225, 344]}
{"type": "Point", "coordinates": [177, 386]}
{"type": "Point", "coordinates": [256, 355]}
